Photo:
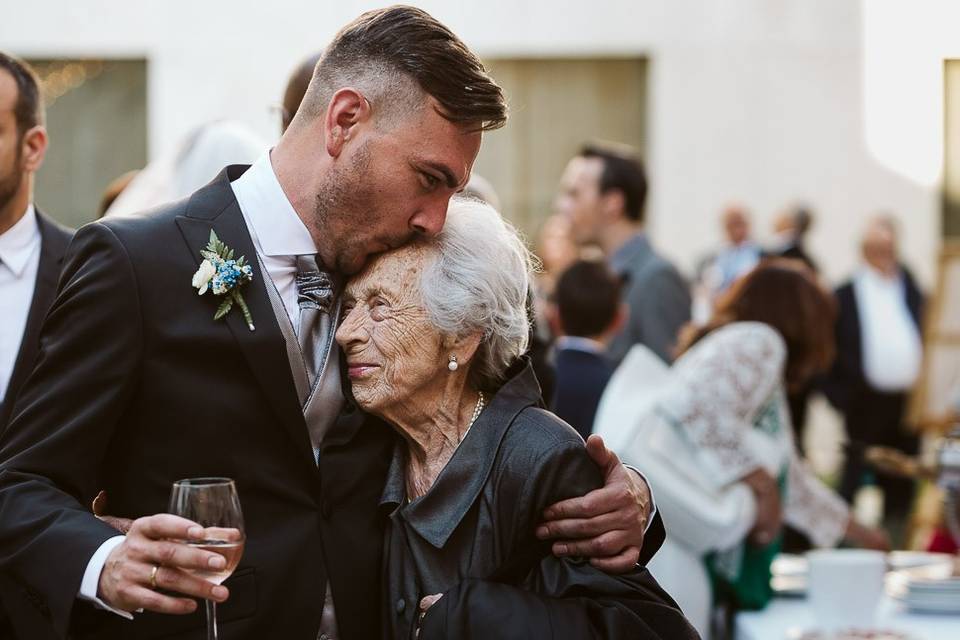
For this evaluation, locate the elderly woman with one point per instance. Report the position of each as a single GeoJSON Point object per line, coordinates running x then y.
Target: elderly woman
{"type": "Point", "coordinates": [429, 333]}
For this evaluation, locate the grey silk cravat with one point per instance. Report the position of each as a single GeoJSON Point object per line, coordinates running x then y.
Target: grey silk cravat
{"type": "Point", "coordinates": [315, 297]}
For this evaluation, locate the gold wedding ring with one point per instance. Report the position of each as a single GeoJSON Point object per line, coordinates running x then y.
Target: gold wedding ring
{"type": "Point", "coordinates": [153, 576]}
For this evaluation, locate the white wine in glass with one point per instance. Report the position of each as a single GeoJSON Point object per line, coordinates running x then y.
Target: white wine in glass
{"type": "Point", "coordinates": [213, 504]}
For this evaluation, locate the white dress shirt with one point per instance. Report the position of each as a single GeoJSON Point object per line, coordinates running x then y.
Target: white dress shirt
{"type": "Point", "coordinates": [19, 262]}
{"type": "Point", "coordinates": [892, 350]}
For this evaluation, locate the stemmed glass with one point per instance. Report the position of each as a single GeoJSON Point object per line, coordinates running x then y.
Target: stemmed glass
{"type": "Point", "coordinates": [213, 504]}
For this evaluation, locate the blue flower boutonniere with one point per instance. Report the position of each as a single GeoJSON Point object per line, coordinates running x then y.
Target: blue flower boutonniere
{"type": "Point", "coordinates": [221, 273]}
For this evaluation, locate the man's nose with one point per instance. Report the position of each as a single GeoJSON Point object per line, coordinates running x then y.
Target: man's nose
{"type": "Point", "coordinates": [429, 220]}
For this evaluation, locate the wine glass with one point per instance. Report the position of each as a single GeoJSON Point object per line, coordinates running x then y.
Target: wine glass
{"type": "Point", "coordinates": [213, 504]}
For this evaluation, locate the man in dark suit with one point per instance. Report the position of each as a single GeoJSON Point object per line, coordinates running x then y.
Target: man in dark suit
{"type": "Point", "coordinates": [31, 251]}
{"type": "Point", "coordinates": [585, 314]}
{"type": "Point", "coordinates": [879, 353]}
{"type": "Point", "coordinates": [138, 384]}
{"type": "Point", "coordinates": [603, 193]}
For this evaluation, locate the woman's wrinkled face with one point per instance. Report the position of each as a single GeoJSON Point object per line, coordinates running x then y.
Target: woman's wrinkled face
{"type": "Point", "coordinates": [393, 352]}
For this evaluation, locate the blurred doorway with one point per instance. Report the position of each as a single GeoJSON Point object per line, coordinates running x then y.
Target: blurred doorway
{"type": "Point", "coordinates": [97, 121]}
{"type": "Point", "coordinates": [555, 106]}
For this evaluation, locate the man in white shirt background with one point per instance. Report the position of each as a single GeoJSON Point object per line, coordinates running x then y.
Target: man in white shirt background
{"type": "Point", "coordinates": [31, 246]}
{"type": "Point", "coordinates": [879, 352]}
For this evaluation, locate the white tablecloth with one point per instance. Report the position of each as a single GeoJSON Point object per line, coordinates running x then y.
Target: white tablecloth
{"type": "Point", "coordinates": [785, 616]}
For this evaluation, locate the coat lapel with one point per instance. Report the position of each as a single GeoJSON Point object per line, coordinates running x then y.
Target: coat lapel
{"type": "Point", "coordinates": [215, 207]}
{"type": "Point", "coordinates": [54, 240]}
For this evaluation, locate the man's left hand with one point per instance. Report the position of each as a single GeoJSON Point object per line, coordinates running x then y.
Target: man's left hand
{"type": "Point", "coordinates": [608, 524]}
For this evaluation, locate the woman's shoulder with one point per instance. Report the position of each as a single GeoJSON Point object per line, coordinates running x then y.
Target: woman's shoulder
{"type": "Point", "coordinates": [536, 431]}
{"type": "Point", "coordinates": [754, 341]}
{"type": "Point", "coordinates": [542, 460]}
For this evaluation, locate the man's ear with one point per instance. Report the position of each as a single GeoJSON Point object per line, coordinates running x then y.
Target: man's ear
{"type": "Point", "coordinates": [552, 313]}
{"type": "Point", "coordinates": [619, 320]}
{"type": "Point", "coordinates": [613, 205]}
{"type": "Point", "coordinates": [33, 148]}
{"type": "Point", "coordinates": [347, 109]}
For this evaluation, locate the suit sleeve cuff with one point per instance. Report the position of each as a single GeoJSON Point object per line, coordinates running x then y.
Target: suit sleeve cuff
{"type": "Point", "coordinates": [91, 577]}
{"type": "Point", "coordinates": [653, 500]}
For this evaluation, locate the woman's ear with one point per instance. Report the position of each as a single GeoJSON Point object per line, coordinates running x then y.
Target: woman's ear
{"type": "Point", "coordinates": [464, 347]}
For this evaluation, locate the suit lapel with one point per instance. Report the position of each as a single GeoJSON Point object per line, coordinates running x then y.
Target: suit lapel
{"type": "Point", "coordinates": [53, 244]}
{"type": "Point", "coordinates": [215, 207]}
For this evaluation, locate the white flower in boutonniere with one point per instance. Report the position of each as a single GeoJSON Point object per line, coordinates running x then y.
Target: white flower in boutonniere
{"type": "Point", "coordinates": [221, 273]}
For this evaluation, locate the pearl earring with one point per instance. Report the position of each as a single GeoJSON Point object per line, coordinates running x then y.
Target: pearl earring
{"type": "Point", "coordinates": [452, 364]}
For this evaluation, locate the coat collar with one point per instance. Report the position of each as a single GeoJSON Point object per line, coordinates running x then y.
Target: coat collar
{"type": "Point", "coordinates": [636, 249]}
{"type": "Point", "coordinates": [435, 515]}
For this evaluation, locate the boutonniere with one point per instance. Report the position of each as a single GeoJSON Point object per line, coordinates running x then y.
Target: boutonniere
{"type": "Point", "coordinates": [221, 273]}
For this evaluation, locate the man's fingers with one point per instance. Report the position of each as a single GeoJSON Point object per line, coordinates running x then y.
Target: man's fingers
{"type": "Point", "coordinates": [596, 503]}
{"type": "Point", "coordinates": [604, 546]}
{"type": "Point", "coordinates": [621, 563]}
{"type": "Point", "coordinates": [165, 525]}
{"type": "Point", "coordinates": [137, 597]}
{"type": "Point", "coordinates": [171, 579]}
{"type": "Point", "coordinates": [178, 555]}
{"type": "Point", "coordinates": [580, 527]}
{"type": "Point", "coordinates": [604, 458]}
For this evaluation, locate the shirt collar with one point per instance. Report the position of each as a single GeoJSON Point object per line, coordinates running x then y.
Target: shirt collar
{"type": "Point", "coordinates": [623, 258]}
{"type": "Point", "coordinates": [19, 242]}
{"type": "Point", "coordinates": [577, 343]}
{"type": "Point", "coordinates": [436, 514]}
{"type": "Point", "coordinates": [276, 225]}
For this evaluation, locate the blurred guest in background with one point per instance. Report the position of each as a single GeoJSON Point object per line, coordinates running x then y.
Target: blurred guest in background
{"type": "Point", "coordinates": [192, 164]}
{"type": "Point", "coordinates": [113, 191]}
{"type": "Point", "coordinates": [31, 251]}
{"type": "Point", "coordinates": [879, 352]}
{"type": "Point", "coordinates": [585, 315]}
{"type": "Point", "coordinates": [739, 254]}
{"type": "Point", "coordinates": [716, 442]}
{"type": "Point", "coordinates": [602, 193]}
{"type": "Point", "coordinates": [297, 88]}
{"type": "Point", "coordinates": [790, 229]}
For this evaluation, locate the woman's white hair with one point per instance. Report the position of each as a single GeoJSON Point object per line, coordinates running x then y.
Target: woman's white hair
{"type": "Point", "coordinates": [479, 281]}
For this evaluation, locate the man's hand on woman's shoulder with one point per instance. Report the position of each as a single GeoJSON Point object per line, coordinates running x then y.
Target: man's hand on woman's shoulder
{"type": "Point", "coordinates": [606, 525]}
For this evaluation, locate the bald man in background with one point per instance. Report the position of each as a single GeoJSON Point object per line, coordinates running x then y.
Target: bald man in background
{"type": "Point", "coordinates": [879, 352]}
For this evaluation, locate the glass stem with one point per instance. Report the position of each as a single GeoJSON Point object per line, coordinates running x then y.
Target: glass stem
{"type": "Point", "coordinates": [211, 620]}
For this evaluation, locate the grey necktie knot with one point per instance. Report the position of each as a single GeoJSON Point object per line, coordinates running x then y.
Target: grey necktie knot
{"type": "Point", "coordinates": [315, 288]}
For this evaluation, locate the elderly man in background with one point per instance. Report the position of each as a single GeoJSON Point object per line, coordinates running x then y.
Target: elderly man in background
{"type": "Point", "coordinates": [603, 192]}
{"type": "Point", "coordinates": [879, 353]}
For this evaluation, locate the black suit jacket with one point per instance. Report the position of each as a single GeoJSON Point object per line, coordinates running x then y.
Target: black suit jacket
{"type": "Point", "coordinates": [846, 384]}
{"type": "Point", "coordinates": [581, 378]}
{"type": "Point", "coordinates": [136, 386]}
{"type": "Point", "coordinates": [54, 239]}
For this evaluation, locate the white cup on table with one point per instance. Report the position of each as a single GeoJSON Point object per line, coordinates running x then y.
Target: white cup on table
{"type": "Point", "coordinates": [845, 587]}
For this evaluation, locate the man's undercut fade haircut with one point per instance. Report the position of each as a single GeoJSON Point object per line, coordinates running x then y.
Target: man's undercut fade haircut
{"type": "Point", "coordinates": [28, 109]}
{"type": "Point", "coordinates": [396, 55]}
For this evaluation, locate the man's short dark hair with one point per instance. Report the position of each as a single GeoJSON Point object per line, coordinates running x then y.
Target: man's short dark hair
{"type": "Point", "coordinates": [28, 109]}
{"type": "Point", "coordinates": [587, 297]}
{"type": "Point", "coordinates": [387, 45]}
{"type": "Point", "coordinates": [622, 170]}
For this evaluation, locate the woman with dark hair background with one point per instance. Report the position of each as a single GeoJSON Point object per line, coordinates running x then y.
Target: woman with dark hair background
{"type": "Point", "coordinates": [716, 441]}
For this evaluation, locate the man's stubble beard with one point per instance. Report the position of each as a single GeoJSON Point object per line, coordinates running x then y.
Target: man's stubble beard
{"type": "Point", "coordinates": [344, 211]}
{"type": "Point", "coordinates": [11, 181]}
